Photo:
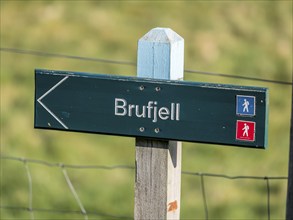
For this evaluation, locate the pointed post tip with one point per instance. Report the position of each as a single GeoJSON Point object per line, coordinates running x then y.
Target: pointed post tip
{"type": "Point", "coordinates": [162, 35]}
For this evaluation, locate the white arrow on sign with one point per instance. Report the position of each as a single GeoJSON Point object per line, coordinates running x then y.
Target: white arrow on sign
{"type": "Point", "coordinates": [45, 107]}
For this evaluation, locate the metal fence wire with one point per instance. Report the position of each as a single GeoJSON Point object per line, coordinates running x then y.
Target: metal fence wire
{"type": "Point", "coordinates": [85, 213]}
{"type": "Point", "coordinates": [131, 63]}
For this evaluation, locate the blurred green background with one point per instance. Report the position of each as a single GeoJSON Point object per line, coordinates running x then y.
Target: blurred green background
{"type": "Point", "coordinates": [245, 38]}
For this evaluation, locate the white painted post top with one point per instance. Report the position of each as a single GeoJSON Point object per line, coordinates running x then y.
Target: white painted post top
{"type": "Point", "coordinates": [162, 35]}
{"type": "Point", "coordinates": [161, 55]}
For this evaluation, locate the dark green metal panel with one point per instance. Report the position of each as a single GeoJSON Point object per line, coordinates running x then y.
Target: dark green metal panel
{"type": "Point", "coordinates": [173, 110]}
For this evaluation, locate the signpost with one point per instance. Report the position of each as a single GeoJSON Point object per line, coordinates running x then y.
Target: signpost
{"type": "Point", "coordinates": [138, 107]}
{"type": "Point", "coordinates": [159, 110]}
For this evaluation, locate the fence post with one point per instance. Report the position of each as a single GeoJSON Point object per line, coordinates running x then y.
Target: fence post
{"type": "Point", "coordinates": [158, 163]}
{"type": "Point", "coordinates": [289, 209]}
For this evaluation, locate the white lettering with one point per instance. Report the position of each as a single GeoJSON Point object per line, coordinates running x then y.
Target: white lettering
{"type": "Point", "coordinates": [137, 111]}
{"type": "Point", "coordinates": [130, 107]}
{"type": "Point", "coordinates": [172, 111]}
{"type": "Point", "coordinates": [152, 110]}
{"type": "Point", "coordinates": [149, 107]}
{"type": "Point", "coordinates": [117, 107]}
{"type": "Point", "coordinates": [155, 112]}
{"type": "Point", "coordinates": [178, 112]}
{"type": "Point", "coordinates": [164, 113]}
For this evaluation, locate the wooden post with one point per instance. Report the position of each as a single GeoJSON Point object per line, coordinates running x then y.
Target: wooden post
{"type": "Point", "coordinates": [289, 212]}
{"type": "Point", "coordinates": [158, 163]}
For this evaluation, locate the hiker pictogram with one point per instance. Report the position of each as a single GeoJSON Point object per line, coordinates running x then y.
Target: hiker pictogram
{"type": "Point", "coordinates": [245, 130]}
{"type": "Point", "coordinates": [245, 105]}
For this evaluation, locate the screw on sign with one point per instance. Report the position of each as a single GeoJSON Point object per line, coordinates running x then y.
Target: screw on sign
{"type": "Point", "coordinates": [245, 130]}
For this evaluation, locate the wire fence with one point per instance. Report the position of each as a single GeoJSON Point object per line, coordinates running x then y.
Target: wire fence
{"type": "Point", "coordinates": [85, 213]}
{"type": "Point", "coordinates": [129, 63]}
{"type": "Point", "coordinates": [64, 167]}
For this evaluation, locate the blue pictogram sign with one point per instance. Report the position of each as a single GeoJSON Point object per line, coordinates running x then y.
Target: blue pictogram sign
{"type": "Point", "coordinates": [245, 105]}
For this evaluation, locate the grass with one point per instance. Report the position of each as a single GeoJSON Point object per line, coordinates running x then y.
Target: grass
{"type": "Point", "coordinates": [244, 38]}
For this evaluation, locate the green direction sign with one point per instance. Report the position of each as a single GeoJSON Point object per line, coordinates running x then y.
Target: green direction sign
{"type": "Point", "coordinates": [159, 109]}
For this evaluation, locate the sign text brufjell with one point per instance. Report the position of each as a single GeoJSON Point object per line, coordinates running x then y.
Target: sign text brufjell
{"type": "Point", "coordinates": [151, 110]}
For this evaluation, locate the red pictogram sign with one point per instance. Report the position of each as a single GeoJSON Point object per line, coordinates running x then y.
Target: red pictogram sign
{"type": "Point", "coordinates": [245, 130]}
